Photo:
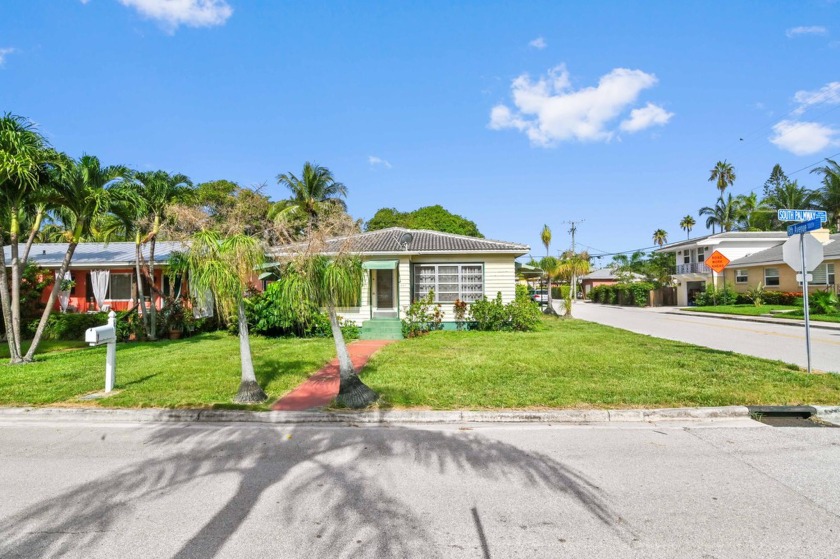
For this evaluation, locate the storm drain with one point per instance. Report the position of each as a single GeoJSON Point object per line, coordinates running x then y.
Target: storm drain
{"type": "Point", "coordinates": [787, 416]}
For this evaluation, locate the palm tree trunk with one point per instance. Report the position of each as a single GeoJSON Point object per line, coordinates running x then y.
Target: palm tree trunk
{"type": "Point", "coordinates": [5, 302]}
{"type": "Point", "coordinates": [352, 392]}
{"type": "Point", "coordinates": [14, 231]}
{"type": "Point", "coordinates": [65, 264]}
{"type": "Point", "coordinates": [249, 389]}
{"type": "Point", "coordinates": [153, 309]}
{"type": "Point", "coordinates": [141, 297]}
{"type": "Point", "coordinates": [34, 231]}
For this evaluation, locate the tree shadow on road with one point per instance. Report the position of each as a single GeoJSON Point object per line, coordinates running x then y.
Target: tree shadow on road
{"type": "Point", "coordinates": [329, 501]}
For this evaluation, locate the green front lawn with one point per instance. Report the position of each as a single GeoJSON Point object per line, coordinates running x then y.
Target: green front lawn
{"type": "Point", "coordinates": [577, 364]}
{"type": "Point", "coordinates": [765, 310]}
{"type": "Point", "coordinates": [202, 371]}
{"type": "Point", "coordinates": [46, 346]}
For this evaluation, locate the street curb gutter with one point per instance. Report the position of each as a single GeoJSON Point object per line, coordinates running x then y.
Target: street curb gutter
{"type": "Point", "coordinates": [373, 417]}
{"type": "Point", "coordinates": [828, 413]}
{"type": "Point", "coordinates": [758, 319]}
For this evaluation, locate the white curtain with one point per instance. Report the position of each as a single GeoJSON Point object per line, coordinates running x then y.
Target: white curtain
{"type": "Point", "coordinates": [63, 296]}
{"type": "Point", "coordinates": [99, 283]}
{"type": "Point", "coordinates": [203, 302]}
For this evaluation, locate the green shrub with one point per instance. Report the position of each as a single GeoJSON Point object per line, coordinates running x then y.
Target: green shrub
{"type": "Point", "coordinates": [627, 294]}
{"type": "Point", "coordinates": [422, 317]}
{"type": "Point", "coordinates": [713, 297]}
{"type": "Point", "coordinates": [822, 302]}
{"type": "Point", "coordinates": [755, 294]}
{"type": "Point", "coordinates": [520, 315]}
{"type": "Point", "coordinates": [72, 326]}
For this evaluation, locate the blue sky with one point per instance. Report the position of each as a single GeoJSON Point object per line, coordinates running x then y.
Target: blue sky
{"type": "Point", "coordinates": [513, 114]}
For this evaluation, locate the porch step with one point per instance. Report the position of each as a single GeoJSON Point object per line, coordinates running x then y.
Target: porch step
{"type": "Point", "coordinates": [381, 329]}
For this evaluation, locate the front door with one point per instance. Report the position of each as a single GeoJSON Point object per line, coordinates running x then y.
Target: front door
{"type": "Point", "coordinates": [385, 289]}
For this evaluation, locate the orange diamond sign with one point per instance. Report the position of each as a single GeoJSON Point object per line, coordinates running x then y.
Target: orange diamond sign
{"type": "Point", "coordinates": [717, 261]}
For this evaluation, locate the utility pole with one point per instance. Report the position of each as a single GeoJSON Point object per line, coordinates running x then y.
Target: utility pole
{"type": "Point", "coordinates": [573, 230]}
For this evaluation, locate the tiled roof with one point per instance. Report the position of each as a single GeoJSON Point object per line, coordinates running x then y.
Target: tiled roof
{"type": "Point", "coordinates": [388, 240]}
{"type": "Point", "coordinates": [773, 255]}
{"type": "Point", "coordinates": [50, 255]}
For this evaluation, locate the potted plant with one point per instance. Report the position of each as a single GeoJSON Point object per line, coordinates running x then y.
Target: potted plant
{"type": "Point", "coordinates": [174, 318]}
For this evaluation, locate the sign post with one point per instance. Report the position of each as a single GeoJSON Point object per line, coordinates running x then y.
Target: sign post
{"type": "Point", "coordinates": [717, 261]}
{"type": "Point", "coordinates": [106, 335]}
{"type": "Point", "coordinates": [808, 256]}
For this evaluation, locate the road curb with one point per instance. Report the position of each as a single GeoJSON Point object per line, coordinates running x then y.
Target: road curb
{"type": "Point", "coordinates": [759, 319]}
{"type": "Point", "coordinates": [828, 413]}
{"type": "Point", "coordinates": [373, 417]}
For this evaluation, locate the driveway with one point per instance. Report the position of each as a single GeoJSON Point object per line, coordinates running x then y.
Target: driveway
{"type": "Point", "coordinates": [785, 342]}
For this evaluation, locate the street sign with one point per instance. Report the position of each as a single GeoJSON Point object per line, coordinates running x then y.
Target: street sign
{"type": "Point", "coordinates": [804, 227]}
{"type": "Point", "coordinates": [802, 215]}
{"type": "Point", "coordinates": [717, 261]}
{"type": "Point", "coordinates": [808, 277]}
{"type": "Point", "coordinates": [812, 250]}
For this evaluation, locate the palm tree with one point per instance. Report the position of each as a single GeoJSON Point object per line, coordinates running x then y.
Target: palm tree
{"type": "Point", "coordinates": [159, 191]}
{"type": "Point", "coordinates": [687, 224]}
{"type": "Point", "coordinates": [789, 196]}
{"type": "Point", "coordinates": [545, 237]}
{"type": "Point", "coordinates": [828, 197]}
{"type": "Point", "coordinates": [313, 194]}
{"type": "Point", "coordinates": [85, 191]}
{"type": "Point", "coordinates": [25, 158]}
{"type": "Point", "coordinates": [723, 175]}
{"type": "Point", "coordinates": [724, 214]}
{"type": "Point", "coordinates": [331, 283]}
{"type": "Point", "coordinates": [660, 237]}
{"type": "Point", "coordinates": [569, 267]}
{"type": "Point", "coordinates": [225, 266]}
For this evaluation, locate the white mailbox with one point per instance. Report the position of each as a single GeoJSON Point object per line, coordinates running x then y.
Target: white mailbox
{"type": "Point", "coordinates": [100, 335]}
{"type": "Point", "coordinates": [106, 335]}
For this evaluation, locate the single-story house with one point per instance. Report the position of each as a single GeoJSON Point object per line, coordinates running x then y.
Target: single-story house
{"type": "Point", "coordinates": [403, 265]}
{"type": "Point", "coordinates": [692, 274]}
{"type": "Point", "coordinates": [602, 276]}
{"type": "Point", "coordinates": [769, 269]}
{"type": "Point", "coordinates": [103, 274]}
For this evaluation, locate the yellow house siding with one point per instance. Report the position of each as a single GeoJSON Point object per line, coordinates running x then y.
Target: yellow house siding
{"type": "Point", "coordinates": [787, 278]}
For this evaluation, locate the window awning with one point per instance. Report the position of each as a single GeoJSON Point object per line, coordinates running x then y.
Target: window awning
{"type": "Point", "coordinates": [380, 264]}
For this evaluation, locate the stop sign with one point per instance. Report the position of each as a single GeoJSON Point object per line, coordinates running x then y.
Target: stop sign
{"type": "Point", "coordinates": [812, 248]}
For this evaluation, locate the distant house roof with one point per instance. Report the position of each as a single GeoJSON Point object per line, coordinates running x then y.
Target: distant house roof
{"type": "Point", "coordinates": [94, 255]}
{"type": "Point", "coordinates": [773, 255]}
{"type": "Point", "coordinates": [730, 235]}
{"type": "Point", "coordinates": [391, 241]}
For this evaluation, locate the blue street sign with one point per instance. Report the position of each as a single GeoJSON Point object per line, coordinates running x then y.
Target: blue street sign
{"type": "Point", "coordinates": [802, 215]}
{"type": "Point", "coordinates": [804, 227]}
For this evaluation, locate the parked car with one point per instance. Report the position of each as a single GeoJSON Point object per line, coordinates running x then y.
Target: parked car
{"type": "Point", "coordinates": [540, 296]}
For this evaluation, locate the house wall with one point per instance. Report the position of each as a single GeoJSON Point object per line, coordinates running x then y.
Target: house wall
{"type": "Point", "coordinates": [588, 284]}
{"type": "Point", "coordinates": [787, 278]}
{"type": "Point", "coordinates": [78, 296]}
{"type": "Point", "coordinates": [499, 276]}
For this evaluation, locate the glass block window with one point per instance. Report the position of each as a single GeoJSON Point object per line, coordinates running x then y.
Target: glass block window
{"type": "Point", "coordinates": [771, 277]}
{"type": "Point", "coordinates": [741, 276]}
{"type": "Point", "coordinates": [449, 281]}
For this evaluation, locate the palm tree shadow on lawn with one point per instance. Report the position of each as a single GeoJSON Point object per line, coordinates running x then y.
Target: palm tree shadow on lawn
{"type": "Point", "coordinates": [319, 474]}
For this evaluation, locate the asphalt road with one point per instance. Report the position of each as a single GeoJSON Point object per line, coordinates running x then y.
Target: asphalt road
{"type": "Point", "coordinates": [785, 342]}
{"type": "Point", "coordinates": [688, 490]}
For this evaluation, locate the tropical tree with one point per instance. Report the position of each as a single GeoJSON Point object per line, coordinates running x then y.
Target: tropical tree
{"type": "Point", "coordinates": [24, 157]}
{"type": "Point", "coordinates": [545, 237]}
{"type": "Point", "coordinates": [85, 191]}
{"type": "Point", "coordinates": [314, 193]}
{"type": "Point", "coordinates": [158, 191]}
{"type": "Point", "coordinates": [752, 214]}
{"type": "Point", "coordinates": [660, 237]}
{"type": "Point", "coordinates": [687, 224]}
{"type": "Point", "coordinates": [570, 267]}
{"type": "Point", "coordinates": [329, 282]}
{"type": "Point", "coordinates": [789, 196]}
{"type": "Point", "coordinates": [434, 218]}
{"type": "Point", "coordinates": [723, 175]}
{"type": "Point", "coordinates": [225, 266]}
{"type": "Point", "coordinates": [828, 196]}
{"type": "Point", "coordinates": [724, 214]}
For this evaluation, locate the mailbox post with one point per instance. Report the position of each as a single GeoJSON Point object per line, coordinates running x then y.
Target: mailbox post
{"type": "Point", "coordinates": [106, 335]}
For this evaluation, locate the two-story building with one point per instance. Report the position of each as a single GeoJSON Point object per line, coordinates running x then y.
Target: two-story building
{"type": "Point", "coordinates": [692, 275]}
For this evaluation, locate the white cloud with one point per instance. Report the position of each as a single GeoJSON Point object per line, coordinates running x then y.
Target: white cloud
{"type": "Point", "coordinates": [538, 43]}
{"type": "Point", "coordinates": [806, 30]}
{"type": "Point", "coordinates": [374, 161]}
{"type": "Point", "coordinates": [650, 115]}
{"type": "Point", "coordinates": [173, 13]}
{"type": "Point", "coordinates": [550, 111]}
{"type": "Point", "coordinates": [829, 94]}
{"type": "Point", "coordinates": [5, 52]}
{"type": "Point", "coordinates": [803, 138]}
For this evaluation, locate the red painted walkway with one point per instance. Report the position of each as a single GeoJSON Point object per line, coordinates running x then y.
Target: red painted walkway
{"type": "Point", "coordinates": [321, 388]}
